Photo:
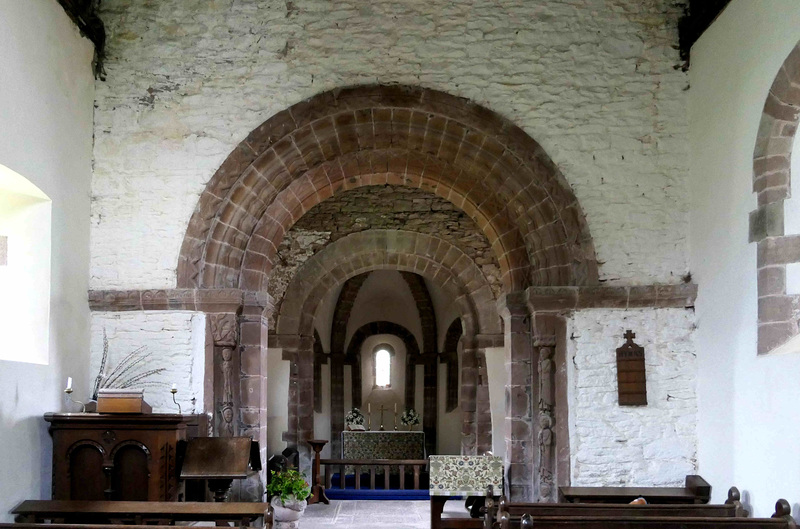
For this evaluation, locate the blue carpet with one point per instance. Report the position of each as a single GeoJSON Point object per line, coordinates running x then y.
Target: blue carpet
{"type": "Point", "coordinates": [377, 494]}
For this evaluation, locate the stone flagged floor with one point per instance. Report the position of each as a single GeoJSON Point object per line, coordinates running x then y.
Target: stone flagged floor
{"type": "Point", "coordinates": [369, 514]}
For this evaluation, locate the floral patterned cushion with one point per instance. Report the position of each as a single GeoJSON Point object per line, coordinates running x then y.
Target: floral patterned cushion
{"type": "Point", "coordinates": [465, 475]}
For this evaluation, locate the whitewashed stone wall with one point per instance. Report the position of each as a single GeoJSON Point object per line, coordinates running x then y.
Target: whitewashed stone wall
{"type": "Point", "coordinates": [592, 80]}
{"type": "Point", "coordinates": [644, 445]}
{"type": "Point", "coordinates": [175, 341]}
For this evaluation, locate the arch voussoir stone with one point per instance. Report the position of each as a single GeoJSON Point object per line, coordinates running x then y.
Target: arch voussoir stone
{"type": "Point", "coordinates": [371, 135]}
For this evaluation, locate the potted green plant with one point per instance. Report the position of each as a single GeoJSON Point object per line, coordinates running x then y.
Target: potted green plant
{"type": "Point", "coordinates": [288, 490]}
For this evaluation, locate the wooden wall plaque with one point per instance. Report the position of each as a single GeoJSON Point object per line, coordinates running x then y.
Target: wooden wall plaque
{"type": "Point", "coordinates": [631, 379]}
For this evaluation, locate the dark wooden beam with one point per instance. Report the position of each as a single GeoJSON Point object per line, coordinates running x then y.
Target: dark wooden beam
{"type": "Point", "coordinates": [700, 14]}
{"type": "Point", "coordinates": [84, 14]}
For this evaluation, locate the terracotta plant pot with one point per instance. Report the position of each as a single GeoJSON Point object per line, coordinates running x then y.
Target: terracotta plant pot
{"type": "Point", "coordinates": [290, 511]}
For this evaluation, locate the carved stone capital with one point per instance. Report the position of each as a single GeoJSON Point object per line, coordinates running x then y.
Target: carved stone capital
{"type": "Point", "coordinates": [224, 329]}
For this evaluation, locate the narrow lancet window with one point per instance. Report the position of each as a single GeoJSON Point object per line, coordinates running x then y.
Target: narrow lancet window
{"type": "Point", "coordinates": [383, 368]}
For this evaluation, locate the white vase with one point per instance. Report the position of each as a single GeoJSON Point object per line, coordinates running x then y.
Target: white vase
{"type": "Point", "coordinates": [288, 511]}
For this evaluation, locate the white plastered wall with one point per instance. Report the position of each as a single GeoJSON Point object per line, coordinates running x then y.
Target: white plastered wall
{"type": "Point", "coordinates": [613, 445]}
{"type": "Point", "coordinates": [173, 342]}
{"type": "Point", "coordinates": [46, 98]}
{"type": "Point", "coordinates": [747, 432]}
{"type": "Point", "coordinates": [597, 87]}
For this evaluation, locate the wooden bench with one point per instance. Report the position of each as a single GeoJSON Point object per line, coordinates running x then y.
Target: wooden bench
{"type": "Point", "coordinates": [138, 512]}
{"type": "Point", "coordinates": [732, 508]}
{"type": "Point", "coordinates": [782, 519]}
{"type": "Point", "coordinates": [696, 490]}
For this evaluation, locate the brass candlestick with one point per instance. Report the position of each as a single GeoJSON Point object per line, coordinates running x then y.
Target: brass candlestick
{"type": "Point", "coordinates": [68, 391]}
{"type": "Point", "coordinates": [174, 392]}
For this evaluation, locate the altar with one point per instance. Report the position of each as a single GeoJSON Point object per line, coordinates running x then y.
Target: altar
{"type": "Point", "coordinates": [383, 445]}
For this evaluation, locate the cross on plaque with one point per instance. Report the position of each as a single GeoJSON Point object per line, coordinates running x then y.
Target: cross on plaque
{"type": "Point", "coordinates": [629, 335]}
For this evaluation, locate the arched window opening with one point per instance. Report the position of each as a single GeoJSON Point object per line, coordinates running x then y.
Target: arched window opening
{"type": "Point", "coordinates": [25, 213]}
{"type": "Point", "coordinates": [383, 354]}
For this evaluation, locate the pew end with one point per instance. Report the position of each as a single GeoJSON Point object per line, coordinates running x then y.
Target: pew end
{"type": "Point", "coordinates": [735, 499]}
{"type": "Point", "coordinates": [700, 487]}
{"type": "Point", "coordinates": [783, 511]}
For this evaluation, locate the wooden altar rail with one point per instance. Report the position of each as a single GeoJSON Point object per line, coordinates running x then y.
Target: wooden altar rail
{"type": "Point", "coordinates": [417, 465]}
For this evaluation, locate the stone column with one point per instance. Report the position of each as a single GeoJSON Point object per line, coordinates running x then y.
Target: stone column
{"type": "Point", "coordinates": [225, 332]}
{"type": "Point", "coordinates": [430, 401]}
{"type": "Point", "coordinates": [298, 350]}
{"type": "Point", "coordinates": [519, 458]}
{"type": "Point", "coordinates": [253, 372]}
{"type": "Point", "coordinates": [337, 362]}
{"type": "Point", "coordinates": [544, 481]}
{"type": "Point", "coordinates": [469, 397]}
{"type": "Point", "coordinates": [551, 429]}
{"type": "Point", "coordinates": [483, 410]}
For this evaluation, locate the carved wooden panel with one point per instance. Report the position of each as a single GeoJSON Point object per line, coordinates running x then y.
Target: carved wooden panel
{"type": "Point", "coordinates": [131, 472]}
{"type": "Point", "coordinates": [85, 466]}
{"type": "Point", "coordinates": [631, 376]}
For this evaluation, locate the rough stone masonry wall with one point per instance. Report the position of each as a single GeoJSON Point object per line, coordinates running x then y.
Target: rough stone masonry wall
{"type": "Point", "coordinates": [614, 445]}
{"type": "Point", "coordinates": [380, 207]}
{"type": "Point", "coordinates": [591, 80]}
{"type": "Point", "coordinates": [174, 341]}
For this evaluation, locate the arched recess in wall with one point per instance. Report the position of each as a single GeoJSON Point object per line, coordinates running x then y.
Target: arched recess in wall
{"type": "Point", "coordinates": [400, 135]}
{"type": "Point", "coordinates": [778, 251]}
{"type": "Point", "coordinates": [386, 327]}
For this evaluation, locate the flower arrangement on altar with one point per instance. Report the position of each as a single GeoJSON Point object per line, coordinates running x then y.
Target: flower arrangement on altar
{"type": "Point", "coordinates": [354, 416]}
{"type": "Point", "coordinates": [410, 417]}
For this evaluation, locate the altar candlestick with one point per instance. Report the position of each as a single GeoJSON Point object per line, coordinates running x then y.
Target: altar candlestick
{"type": "Point", "coordinates": [69, 383]}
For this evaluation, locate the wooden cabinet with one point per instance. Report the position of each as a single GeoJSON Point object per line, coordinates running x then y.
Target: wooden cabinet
{"type": "Point", "coordinates": [118, 457]}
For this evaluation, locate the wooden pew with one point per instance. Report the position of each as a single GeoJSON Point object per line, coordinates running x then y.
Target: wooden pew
{"type": "Point", "coordinates": [732, 508]}
{"type": "Point", "coordinates": [782, 519]}
{"type": "Point", "coordinates": [243, 514]}
{"type": "Point", "coordinates": [696, 490]}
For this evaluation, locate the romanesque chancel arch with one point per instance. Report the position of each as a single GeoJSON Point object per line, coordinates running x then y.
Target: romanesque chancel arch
{"type": "Point", "coordinates": [350, 138]}
{"type": "Point", "coordinates": [370, 135]}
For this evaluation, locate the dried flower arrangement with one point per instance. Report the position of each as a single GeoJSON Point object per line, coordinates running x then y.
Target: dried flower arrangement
{"type": "Point", "coordinates": [127, 373]}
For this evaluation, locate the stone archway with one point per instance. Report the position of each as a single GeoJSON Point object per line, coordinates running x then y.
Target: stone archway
{"type": "Point", "coordinates": [358, 253]}
{"type": "Point", "coordinates": [362, 136]}
{"type": "Point", "coordinates": [777, 319]}
{"type": "Point", "coordinates": [372, 135]}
